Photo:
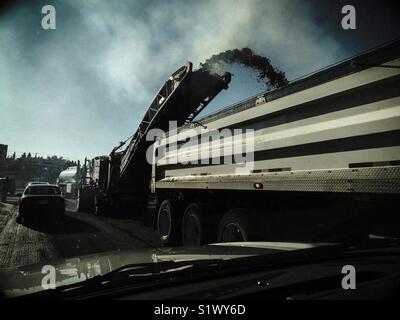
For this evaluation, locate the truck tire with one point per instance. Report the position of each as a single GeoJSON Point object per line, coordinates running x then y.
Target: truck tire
{"type": "Point", "coordinates": [80, 202]}
{"type": "Point", "coordinates": [20, 220]}
{"type": "Point", "coordinates": [198, 225]}
{"type": "Point", "coordinates": [99, 206]}
{"type": "Point", "coordinates": [85, 200]}
{"type": "Point", "coordinates": [236, 226]}
{"type": "Point", "coordinates": [168, 225]}
{"type": "Point", "coordinates": [81, 205]}
{"type": "Point", "coordinates": [78, 207]}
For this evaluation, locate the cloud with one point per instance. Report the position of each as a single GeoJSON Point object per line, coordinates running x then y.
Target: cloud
{"type": "Point", "coordinates": [80, 89]}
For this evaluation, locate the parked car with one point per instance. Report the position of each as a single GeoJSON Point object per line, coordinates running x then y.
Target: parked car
{"type": "Point", "coordinates": [40, 200]}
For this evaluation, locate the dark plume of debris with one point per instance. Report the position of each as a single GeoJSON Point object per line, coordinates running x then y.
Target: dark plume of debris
{"type": "Point", "coordinates": [272, 76]}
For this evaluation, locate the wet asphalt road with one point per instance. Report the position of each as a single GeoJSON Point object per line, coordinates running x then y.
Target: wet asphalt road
{"type": "Point", "coordinates": [76, 234]}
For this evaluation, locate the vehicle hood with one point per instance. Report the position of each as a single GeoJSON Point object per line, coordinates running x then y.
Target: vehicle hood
{"type": "Point", "coordinates": [28, 279]}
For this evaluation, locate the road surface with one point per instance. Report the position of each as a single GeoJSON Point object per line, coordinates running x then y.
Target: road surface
{"type": "Point", "coordinates": [77, 234]}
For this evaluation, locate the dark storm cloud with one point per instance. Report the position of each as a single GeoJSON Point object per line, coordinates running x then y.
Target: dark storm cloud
{"type": "Point", "coordinates": [81, 88]}
{"type": "Point", "coordinates": [377, 22]}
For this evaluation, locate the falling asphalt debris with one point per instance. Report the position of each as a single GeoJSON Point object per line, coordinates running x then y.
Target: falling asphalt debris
{"type": "Point", "coordinates": [266, 72]}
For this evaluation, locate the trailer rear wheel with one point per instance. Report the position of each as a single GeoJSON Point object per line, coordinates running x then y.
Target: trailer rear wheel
{"type": "Point", "coordinates": [78, 206]}
{"type": "Point", "coordinates": [198, 225]}
{"type": "Point", "coordinates": [100, 205]}
{"type": "Point", "coordinates": [168, 223]}
{"type": "Point", "coordinates": [97, 209]}
{"type": "Point", "coordinates": [235, 226]}
{"type": "Point", "coordinates": [85, 200]}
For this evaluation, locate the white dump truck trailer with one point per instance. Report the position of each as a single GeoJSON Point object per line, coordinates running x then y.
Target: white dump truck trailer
{"type": "Point", "coordinates": [326, 144]}
{"type": "Point", "coordinates": [68, 181]}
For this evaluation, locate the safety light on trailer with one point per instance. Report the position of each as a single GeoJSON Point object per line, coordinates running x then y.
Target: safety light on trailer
{"type": "Point", "coordinates": [258, 186]}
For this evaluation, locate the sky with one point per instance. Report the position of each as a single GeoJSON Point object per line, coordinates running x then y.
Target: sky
{"type": "Point", "coordinates": [80, 89]}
